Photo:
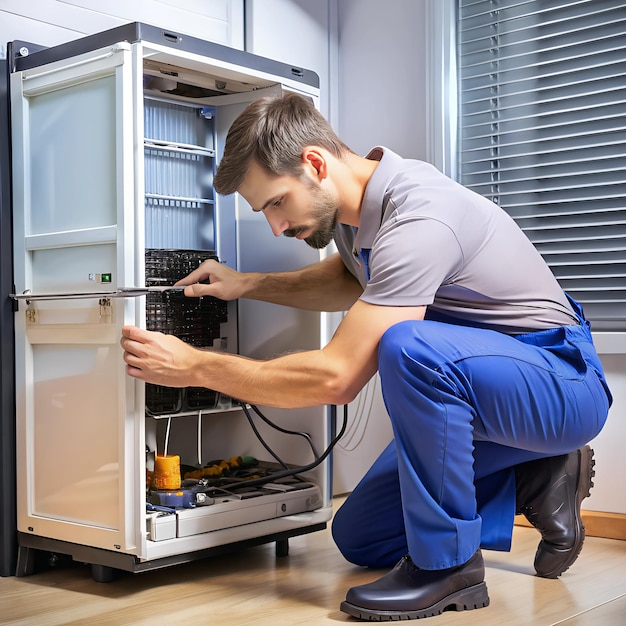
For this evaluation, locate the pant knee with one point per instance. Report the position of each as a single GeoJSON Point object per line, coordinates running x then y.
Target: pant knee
{"type": "Point", "coordinates": [342, 530]}
{"type": "Point", "coordinates": [366, 549]}
{"type": "Point", "coordinates": [393, 343]}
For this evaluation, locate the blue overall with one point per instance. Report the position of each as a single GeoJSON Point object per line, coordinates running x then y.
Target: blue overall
{"type": "Point", "coordinates": [467, 405]}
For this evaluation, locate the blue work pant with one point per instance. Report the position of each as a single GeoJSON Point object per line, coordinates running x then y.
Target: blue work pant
{"type": "Point", "coordinates": [467, 405]}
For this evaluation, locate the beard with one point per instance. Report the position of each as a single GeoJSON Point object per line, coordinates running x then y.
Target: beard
{"type": "Point", "coordinates": [323, 212]}
{"type": "Point", "coordinates": [325, 232]}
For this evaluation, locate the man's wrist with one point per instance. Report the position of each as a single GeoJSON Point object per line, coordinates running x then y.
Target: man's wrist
{"type": "Point", "coordinates": [253, 285]}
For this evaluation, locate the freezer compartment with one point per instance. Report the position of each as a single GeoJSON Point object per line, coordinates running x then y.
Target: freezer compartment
{"type": "Point", "coordinates": [179, 163]}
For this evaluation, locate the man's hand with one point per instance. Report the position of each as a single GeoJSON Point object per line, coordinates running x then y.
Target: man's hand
{"type": "Point", "coordinates": [224, 282]}
{"type": "Point", "coordinates": [157, 358]}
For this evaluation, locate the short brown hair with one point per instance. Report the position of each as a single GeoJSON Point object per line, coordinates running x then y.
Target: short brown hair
{"type": "Point", "coordinates": [274, 131]}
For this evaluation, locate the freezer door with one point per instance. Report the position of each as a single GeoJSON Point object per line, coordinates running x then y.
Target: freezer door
{"type": "Point", "coordinates": [79, 417]}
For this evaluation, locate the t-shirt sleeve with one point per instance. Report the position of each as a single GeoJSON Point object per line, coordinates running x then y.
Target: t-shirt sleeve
{"type": "Point", "coordinates": [410, 259]}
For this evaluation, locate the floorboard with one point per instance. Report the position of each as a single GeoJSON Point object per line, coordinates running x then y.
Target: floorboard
{"type": "Point", "coordinates": [305, 588]}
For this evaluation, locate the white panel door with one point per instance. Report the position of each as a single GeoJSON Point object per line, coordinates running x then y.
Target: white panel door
{"type": "Point", "coordinates": [79, 417]}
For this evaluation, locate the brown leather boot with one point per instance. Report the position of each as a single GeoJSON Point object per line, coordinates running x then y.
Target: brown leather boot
{"type": "Point", "coordinates": [549, 494]}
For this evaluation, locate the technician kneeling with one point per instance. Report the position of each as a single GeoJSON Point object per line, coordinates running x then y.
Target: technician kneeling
{"type": "Point", "coordinates": [488, 369]}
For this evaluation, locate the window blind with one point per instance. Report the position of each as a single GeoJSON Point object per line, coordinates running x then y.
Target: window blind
{"type": "Point", "coordinates": [542, 132]}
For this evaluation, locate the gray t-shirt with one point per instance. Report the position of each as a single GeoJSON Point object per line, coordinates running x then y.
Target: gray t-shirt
{"type": "Point", "coordinates": [434, 242]}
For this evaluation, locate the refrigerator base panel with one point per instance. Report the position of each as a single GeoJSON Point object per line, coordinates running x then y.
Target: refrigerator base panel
{"type": "Point", "coordinates": [104, 562]}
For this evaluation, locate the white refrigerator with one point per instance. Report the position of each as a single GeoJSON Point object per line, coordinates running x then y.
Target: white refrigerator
{"type": "Point", "coordinates": [114, 140]}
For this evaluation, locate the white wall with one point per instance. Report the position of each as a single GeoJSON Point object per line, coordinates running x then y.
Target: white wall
{"type": "Point", "coordinates": [297, 32]}
{"type": "Point", "coordinates": [51, 22]}
{"type": "Point", "coordinates": [382, 75]}
{"type": "Point", "coordinates": [609, 493]}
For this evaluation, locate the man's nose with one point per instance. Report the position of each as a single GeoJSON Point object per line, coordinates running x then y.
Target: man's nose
{"type": "Point", "coordinates": [277, 224]}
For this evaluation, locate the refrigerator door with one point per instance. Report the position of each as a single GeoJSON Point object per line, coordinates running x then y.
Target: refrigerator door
{"type": "Point", "coordinates": [79, 417]}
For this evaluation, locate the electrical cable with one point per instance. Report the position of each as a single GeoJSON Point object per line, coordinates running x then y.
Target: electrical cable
{"type": "Point", "coordinates": [305, 468]}
{"type": "Point", "coordinates": [259, 437]}
{"type": "Point", "coordinates": [285, 430]}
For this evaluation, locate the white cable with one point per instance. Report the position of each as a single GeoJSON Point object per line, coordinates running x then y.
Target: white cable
{"type": "Point", "coordinates": [167, 434]}
{"type": "Point", "coordinates": [200, 438]}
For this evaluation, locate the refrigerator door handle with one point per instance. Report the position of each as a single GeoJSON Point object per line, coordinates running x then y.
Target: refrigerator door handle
{"type": "Point", "coordinates": [122, 292]}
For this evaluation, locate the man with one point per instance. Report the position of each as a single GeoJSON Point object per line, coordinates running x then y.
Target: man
{"type": "Point", "coordinates": [488, 370]}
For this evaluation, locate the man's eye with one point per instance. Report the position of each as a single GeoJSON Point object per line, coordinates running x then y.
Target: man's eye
{"type": "Point", "coordinates": [277, 202]}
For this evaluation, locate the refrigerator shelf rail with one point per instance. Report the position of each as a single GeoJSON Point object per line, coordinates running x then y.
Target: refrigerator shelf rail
{"type": "Point", "coordinates": [158, 196]}
{"type": "Point", "coordinates": [159, 144]}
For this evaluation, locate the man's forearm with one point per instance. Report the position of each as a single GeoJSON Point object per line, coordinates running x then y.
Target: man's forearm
{"type": "Point", "coordinates": [324, 286]}
{"type": "Point", "coordinates": [294, 380]}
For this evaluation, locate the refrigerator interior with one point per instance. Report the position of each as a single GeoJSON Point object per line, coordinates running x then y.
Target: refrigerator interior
{"type": "Point", "coordinates": [115, 140]}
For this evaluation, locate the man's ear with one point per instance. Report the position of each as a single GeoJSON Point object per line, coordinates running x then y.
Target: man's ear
{"type": "Point", "coordinates": [315, 161]}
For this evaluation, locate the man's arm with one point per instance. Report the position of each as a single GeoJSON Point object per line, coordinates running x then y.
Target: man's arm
{"type": "Point", "coordinates": [332, 375]}
{"type": "Point", "coordinates": [323, 286]}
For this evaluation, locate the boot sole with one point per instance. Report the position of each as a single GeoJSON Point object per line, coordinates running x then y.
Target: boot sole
{"type": "Point", "coordinates": [475, 597]}
{"type": "Point", "coordinates": [583, 490]}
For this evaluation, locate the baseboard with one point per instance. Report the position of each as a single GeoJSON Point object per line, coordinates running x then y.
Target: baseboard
{"type": "Point", "coordinates": [597, 524]}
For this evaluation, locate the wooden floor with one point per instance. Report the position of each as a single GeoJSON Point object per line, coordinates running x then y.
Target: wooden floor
{"type": "Point", "coordinates": [255, 587]}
